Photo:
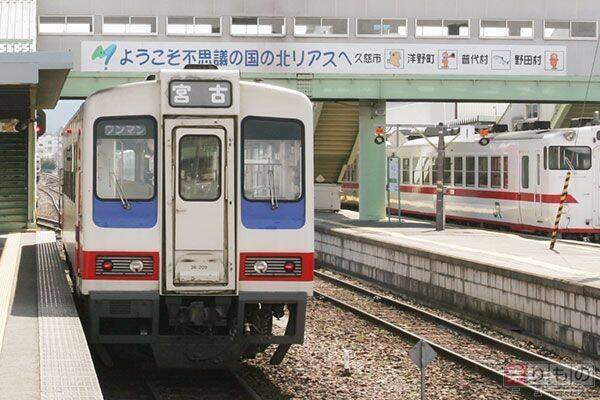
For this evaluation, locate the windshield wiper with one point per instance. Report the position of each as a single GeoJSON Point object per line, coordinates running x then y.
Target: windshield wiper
{"type": "Point", "coordinates": [272, 195]}
{"type": "Point", "coordinates": [124, 200]}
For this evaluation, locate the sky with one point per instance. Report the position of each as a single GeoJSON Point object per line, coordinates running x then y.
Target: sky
{"type": "Point", "coordinates": [57, 118]}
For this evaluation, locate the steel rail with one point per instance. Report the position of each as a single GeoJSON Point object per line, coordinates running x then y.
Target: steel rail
{"type": "Point", "coordinates": [245, 386]}
{"type": "Point", "coordinates": [240, 382]}
{"type": "Point", "coordinates": [482, 337]}
{"type": "Point", "coordinates": [48, 223]}
{"type": "Point", "coordinates": [499, 377]}
{"type": "Point", "coordinates": [54, 204]}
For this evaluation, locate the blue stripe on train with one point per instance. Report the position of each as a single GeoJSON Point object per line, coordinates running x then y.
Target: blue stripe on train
{"type": "Point", "coordinates": [259, 215]}
{"type": "Point", "coordinates": [111, 214]}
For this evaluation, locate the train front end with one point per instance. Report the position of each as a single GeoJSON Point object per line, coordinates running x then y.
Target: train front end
{"type": "Point", "coordinates": [207, 255]}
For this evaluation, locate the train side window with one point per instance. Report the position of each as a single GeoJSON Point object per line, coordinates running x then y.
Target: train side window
{"type": "Point", "coordinates": [538, 170]}
{"type": "Point", "coordinates": [470, 171]}
{"type": "Point", "coordinates": [416, 171]}
{"type": "Point", "coordinates": [426, 171]}
{"type": "Point", "coordinates": [68, 173]}
{"type": "Point", "coordinates": [458, 171]}
{"type": "Point", "coordinates": [483, 169]}
{"type": "Point", "coordinates": [505, 172]}
{"type": "Point", "coordinates": [406, 170]}
{"type": "Point", "coordinates": [447, 171]}
{"type": "Point", "coordinates": [525, 172]}
{"type": "Point", "coordinates": [496, 172]}
{"type": "Point", "coordinates": [545, 157]}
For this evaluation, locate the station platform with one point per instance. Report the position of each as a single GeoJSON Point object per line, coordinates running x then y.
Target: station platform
{"type": "Point", "coordinates": [553, 295]}
{"type": "Point", "coordinates": [43, 349]}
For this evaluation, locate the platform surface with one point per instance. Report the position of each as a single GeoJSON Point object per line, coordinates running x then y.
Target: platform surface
{"type": "Point", "coordinates": [43, 353]}
{"type": "Point", "coordinates": [576, 263]}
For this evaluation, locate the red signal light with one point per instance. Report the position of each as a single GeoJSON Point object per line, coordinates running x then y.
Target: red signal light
{"type": "Point", "coordinates": [107, 265]}
{"type": "Point", "coordinates": [289, 266]}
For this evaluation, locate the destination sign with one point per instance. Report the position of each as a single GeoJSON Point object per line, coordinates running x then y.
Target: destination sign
{"type": "Point", "coordinates": [203, 94]}
{"type": "Point", "coordinates": [125, 130]}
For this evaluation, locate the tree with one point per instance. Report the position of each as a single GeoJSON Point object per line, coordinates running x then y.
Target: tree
{"type": "Point", "coordinates": [48, 164]}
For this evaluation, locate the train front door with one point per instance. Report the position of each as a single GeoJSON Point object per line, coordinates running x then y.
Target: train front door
{"type": "Point", "coordinates": [537, 184]}
{"type": "Point", "coordinates": [530, 188]}
{"type": "Point", "coordinates": [199, 206]}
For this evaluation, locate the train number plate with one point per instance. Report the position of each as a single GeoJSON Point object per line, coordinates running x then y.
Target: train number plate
{"type": "Point", "coordinates": [192, 268]}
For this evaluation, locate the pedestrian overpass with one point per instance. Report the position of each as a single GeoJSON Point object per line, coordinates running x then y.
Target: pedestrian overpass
{"type": "Point", "coordinates": [346, 105]}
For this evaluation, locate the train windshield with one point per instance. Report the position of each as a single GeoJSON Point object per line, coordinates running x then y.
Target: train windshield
{"type": "Point", "coordinates": [273, 166]}
{"type": "Point", "coordinates": [569, 157]}
{"type": "Point", "coordinates": [125, 158]}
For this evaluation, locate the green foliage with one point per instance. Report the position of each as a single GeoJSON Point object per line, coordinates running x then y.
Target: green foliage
{"type": "Point", "coordinates": [48, 164]}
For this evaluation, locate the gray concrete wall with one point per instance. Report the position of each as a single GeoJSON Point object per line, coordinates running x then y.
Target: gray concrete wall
{"type": "Point", "coordinates": [564, 314]}
{"type": "Point", "coordinates": [580, 52]}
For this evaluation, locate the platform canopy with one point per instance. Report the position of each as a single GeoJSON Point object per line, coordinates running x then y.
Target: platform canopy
{"type": "Point", "coordinates": [30, 81]}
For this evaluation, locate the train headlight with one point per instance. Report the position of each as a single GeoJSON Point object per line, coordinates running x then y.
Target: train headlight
{"type": "Point", "coordinates": [136, 266]}
{"type": "Point", "coordinates": [261, 266]}
{"type": "Point", "coordinates": [569, 135]}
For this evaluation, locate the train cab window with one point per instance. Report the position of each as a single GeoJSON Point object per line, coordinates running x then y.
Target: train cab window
{"type": "Point", "coordinates": [470, 171]}
{"type": "Point", "coordinates": [458, 171]}
{"type": "Point", "coordinates": [417, 165]}
{"type": "Point", "coordinates": [525, 172]}
{"type": "Point", "coordinates": [496, 172]}
{"type": "Point", "coordinates": [483, 170]}
{"type": "Point", "coordinates": [124, 162]}
{"type": "Point", "coordinates": [505, 172]}
{"type": "Point", "coordinates": [406, 170]}
{"type": "Point", "coordinates": [567, 157]}
{"type": "Point", "coordinates": [200, 168]}
{"type": "Point", "coordinates": [272, 159]}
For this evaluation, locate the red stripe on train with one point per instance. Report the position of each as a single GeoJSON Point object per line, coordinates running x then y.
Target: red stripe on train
{"type": "Point", "coordinates": [477, 193]}
{"type": "Point", "coordinates": [511, 225]}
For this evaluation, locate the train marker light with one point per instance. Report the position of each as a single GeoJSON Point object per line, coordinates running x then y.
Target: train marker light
{"type": "Point", "coordinates": [136, 266]}
{"type": "Point", "coordinates": [107, 265]}
{"type": "Point", "coordinates": [379, 135]}
{"type": "Point", "coordinates": [261, 266]}
{"type": "Point", "coordinates": [289, 266]}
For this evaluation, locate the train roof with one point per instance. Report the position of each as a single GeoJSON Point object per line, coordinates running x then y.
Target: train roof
{"type": "Point", "coordinates": [471, 137]}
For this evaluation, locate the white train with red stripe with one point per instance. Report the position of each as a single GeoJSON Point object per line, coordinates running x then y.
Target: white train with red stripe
{"type": "Point", "coordinates": [515, 181]}
{"type": "Point", "coordinates": [187, 215]}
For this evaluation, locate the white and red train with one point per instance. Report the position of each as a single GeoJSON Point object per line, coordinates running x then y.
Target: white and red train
{"type": "Point", "coordinates": [187, 215]}
{"type": "Point", "coordinates": [514, 181]}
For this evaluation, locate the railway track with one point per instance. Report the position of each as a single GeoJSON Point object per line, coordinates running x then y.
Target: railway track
{"type": "Point", "coordinates": [48, 223]}
{"type": "Point", "coordinates": [202, 385]}
{"type": "Point", "coordinates": [465, 346]}
{"type": "Point", "coordinates": [52, 199]}
{"type": "Point", "coordinates": [170, 384]}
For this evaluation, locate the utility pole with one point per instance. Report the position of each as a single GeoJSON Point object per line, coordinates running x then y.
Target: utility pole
{"type": "Point", "coordinates": [440, 215]}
